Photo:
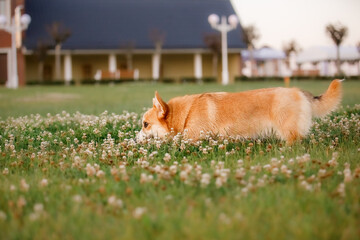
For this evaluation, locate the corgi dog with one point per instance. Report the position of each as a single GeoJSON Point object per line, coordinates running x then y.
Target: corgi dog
{"type": "Point", "coordinates": [287, 112]}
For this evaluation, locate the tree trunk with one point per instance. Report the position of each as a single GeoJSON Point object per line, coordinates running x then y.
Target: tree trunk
{"type": "Point", "coordinates": [41, 71]}
{"type": "Point", "coordinates": [252, 62]}
{"type": "Point", "coordinates": [338, 60]}
{"type": "Point", "coordinates": [215, 64]}
{"type": "Point", "coordinates": [129, 60]}
{"type": "Point", "coordinates": [57, 62]}
{"type": "Point", "coordinates": [156, 67]}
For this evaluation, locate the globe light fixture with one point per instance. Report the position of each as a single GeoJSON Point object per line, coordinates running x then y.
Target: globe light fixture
{"type": "Point", "coordinates": [25, 20]}
{"type": "Point", "coordinates": [3, 21]}
{"type": "Point", "coordinates": [213, 19]}
{"type": "Point", "coordinates": [224, 28]}
{"type": "Point", "coordinates": [233, 20]}
{"type": "Point", "coordinates": [14, 27]}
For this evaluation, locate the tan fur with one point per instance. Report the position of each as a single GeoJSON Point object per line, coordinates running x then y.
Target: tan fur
{"type": "Point", "coordinates": [329, 100]}
{"type": "Point", "coordinates": [285, 111]}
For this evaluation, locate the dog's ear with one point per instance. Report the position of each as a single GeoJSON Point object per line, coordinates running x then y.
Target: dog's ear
{"type": "Point", "coordinates": [160, 106]}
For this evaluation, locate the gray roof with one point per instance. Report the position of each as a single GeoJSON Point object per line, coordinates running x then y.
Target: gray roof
{"type": "Point", "coordinates": [109, 24]}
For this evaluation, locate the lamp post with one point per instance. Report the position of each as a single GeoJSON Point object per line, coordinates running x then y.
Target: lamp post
{"type": "Point", "coordinates": [15, 27]}
{"type": "Point", "coordinates": [224, 28]}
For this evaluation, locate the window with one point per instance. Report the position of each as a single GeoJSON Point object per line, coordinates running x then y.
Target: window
{"type": "Point", "coordinates": [5, 8]}
{"type": "Point", "coordinates": [123, 66]}
{"type": "Point", "coordinates": [48, 72]}
{"type": "Point", "coordinates": [3, 68]}
{"type": "Point", "coordinates": [87, 71]}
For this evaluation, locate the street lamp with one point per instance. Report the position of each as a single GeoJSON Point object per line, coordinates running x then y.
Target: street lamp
{"type": "Point", "coordinates": [223, 27]}
{"type": "Point", "coordinates": [15, 27]}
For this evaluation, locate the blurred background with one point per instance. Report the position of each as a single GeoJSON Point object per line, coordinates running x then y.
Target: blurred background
{"type": "Point", "coordinates": [88, 42]}
{"type": "Point", "coordinates": [184, 46]}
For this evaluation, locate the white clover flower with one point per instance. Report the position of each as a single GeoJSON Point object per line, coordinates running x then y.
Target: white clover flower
{"type": "Point", "coordinates": [347, 173]}
{"type": "Point", "coordinates": [122, 169]}
{"type": "Point", "coordinates": [245, 191]}
{"type": "Point", "coordinates": [139, 212]}
{"type": "Point", "coordinates": [114, 171]}
{"type": "Point", "coordinates": [12, 188]}
{"type": "Point", "coordinates": [173, 169]}
{"type": "Point", "coordinates": [3, 216]}
{"type": "Point", "coordinates": [256, 168]}
{"type": "Point", "coordinates": [100, 174]}
{"type": "Point", "coordinates": [115, 202]}
{"type": "Point", "coordinates": [5, 171]}
{"type": "Point", "coordinates": [34, 216]}
{"type": "Point", "coordinates": [21, 202]}
{"type": "Point", "coordinates": [205, 179]}
{"type": "Point", "coordinates": [78, 162]}
{"type": "Point", "coordinates": [223, 218]}
{"type": "Point", "coordinates": [260, 182]}
{"type": "Point", "coordinates": [240, 173]}
{"type": "Point", "coordinates": [96, 131]}
{"type": "Point", "coordinates": [38, 207]}
{"type": "Point", "coordinates": [144, 178]}
{"type": "Point", "coordinates": [284, 169]}
{"type": "Point", "coordinates": [24, 186]}
{"type": "Point", "coordinates": [304, 184]}
{"type": "Point", "coordinates": [219, 182]}
{"type": "Point", "coordinates": [90, 170]}
{"type": "Point", "coordinates": [183, 175]}
{"type": "Point", "coordinates": [44, 182]}
{"type": "Point", "coordinates": [77, 198]}
{"type": "Point", "coordinates": [291, 161]}
{"type": "Point", "coordinates": [341, 190]}
{"type": "Point", "coordinates": [322, 172]}
{"type": "Point", "coordinates": [130, 154]}
{"type": "Point", "coordinates": [157, 168]}
{"type": "Point", "coordinates": [267, 167]}
{"type": "Point", "coordinates": [167, 157]}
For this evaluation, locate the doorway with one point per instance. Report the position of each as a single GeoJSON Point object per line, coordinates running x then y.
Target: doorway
{"type": "Point", "coordinates": [3, 68]}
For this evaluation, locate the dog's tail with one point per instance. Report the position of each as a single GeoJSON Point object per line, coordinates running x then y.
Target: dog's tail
{"type": "Point", "coordinates": [326, 103]}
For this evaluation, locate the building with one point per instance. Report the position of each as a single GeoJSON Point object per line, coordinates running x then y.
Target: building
{"type": "Point", "coordinates": [7, 9]}
{"type": "Point", "coordinates": [321, 61]}
{"type": "Point", "coordinates": [161, 39]}
{"type": "Point", "coordinates": [268, 62]}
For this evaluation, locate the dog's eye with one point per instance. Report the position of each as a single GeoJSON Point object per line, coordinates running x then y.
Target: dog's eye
{"type": "Point", "coordinates": [146, 124]}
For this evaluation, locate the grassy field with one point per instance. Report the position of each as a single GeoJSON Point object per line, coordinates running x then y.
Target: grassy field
{"type": "Point", "coordinates": [130, 97]}
{"type": "Point", "coordinates": [74, 171]}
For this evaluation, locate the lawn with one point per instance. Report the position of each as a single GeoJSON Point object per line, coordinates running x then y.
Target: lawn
{"type": "Point", "coordinates": [74, 171]}
{"type": "Point", "coordinates": [130, 97]}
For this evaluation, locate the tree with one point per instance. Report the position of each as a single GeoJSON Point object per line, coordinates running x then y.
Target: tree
{"type": "Point", "coordinates": [290, 47]}
{"type": "Point", "coordinates": [250, 35]}
{"type": "Point", "coordinates": [358, 48]}
{"type": "Point", "coordinates": [157, 37]}
{"type": "Point", "coordinates": [41, 53]}
{"type": "Point", "coordinates": [59, 33]}
{"type": "Point", "coordinates": [337, 33]}
{"type": "Point", "coordinates": [129, 49]}
{"type": "Point", "coordinates": [213, 42]}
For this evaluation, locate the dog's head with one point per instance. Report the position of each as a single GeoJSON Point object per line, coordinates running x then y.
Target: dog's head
{"type": "Point", "coordinates": [153, 121]}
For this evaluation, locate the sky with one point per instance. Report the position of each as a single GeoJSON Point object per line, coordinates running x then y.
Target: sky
{"type": "Point", "coordinates": [280, 21]}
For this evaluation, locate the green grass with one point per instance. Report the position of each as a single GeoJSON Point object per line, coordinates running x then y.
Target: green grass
{"type": "Point", "coordinates": [302, 199]}
{"type": "Point", "coordinates": [130, 97]}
